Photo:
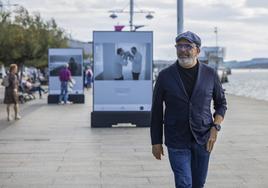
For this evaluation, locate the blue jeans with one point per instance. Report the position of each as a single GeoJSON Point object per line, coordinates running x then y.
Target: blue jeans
{"type": "Point", "coordinates": [64, 91]}
{"type": "Point", "coordinates": [39, 89]}
{"type": "Point", "coordinates": [189, 165]}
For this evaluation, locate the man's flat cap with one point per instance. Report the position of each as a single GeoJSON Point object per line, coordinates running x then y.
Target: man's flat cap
{"type": "Point", "coordinates": [190, 36]}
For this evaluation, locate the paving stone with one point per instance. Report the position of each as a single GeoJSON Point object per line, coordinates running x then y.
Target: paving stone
{"type": "Point", "coordinates": [53, 146]}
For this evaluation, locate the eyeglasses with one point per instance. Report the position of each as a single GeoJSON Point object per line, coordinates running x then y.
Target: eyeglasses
{"type": "Point", "coordinates": [185, 46]}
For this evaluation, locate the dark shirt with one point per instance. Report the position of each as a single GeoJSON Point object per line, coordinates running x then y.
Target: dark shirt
{"type": "Point", "coordinates": [188, 77]}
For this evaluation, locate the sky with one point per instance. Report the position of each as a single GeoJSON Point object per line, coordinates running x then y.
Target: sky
{"type": "Point", "coordinates": [242, 24]}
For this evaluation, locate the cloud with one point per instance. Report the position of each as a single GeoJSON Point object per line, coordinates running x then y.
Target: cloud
{"type": "Point", "coordinates": [257, 3]}
{"type": "Point", "coordinates": [236, 21]}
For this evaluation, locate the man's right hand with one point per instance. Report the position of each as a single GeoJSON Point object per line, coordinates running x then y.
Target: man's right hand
{"type": "Point", "coordinates": [157, 151]}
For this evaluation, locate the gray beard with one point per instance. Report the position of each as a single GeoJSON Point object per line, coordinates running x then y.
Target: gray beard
{"type": "Point", "coordinates": [187, 62]}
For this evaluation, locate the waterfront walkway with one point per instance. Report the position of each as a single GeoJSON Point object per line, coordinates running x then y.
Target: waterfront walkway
{"type": "Point", "coordinates": [54, 146]}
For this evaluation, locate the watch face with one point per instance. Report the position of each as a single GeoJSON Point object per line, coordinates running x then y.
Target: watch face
{"type": "Point", "coordinates": [218, 127]}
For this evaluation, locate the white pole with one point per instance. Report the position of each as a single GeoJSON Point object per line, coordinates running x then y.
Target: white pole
{"type": "Point", "coordinates": [216, 32]}
{"type": "Point", "coordinates": [217, 48]}
{"type": "Point", "coordinates": [131, 12]}
{"type": "Point", "coordinates": [179, 16]}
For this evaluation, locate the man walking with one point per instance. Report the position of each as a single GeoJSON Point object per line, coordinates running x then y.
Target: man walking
{"type": "Point", "coordinates": [187, 88]}
{"type": "Point", "coordinates": [65, 77]}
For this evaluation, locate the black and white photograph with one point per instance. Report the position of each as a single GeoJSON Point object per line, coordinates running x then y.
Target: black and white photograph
{"type": "Point", "coordinates": [123, 59]}
{"type": "Point", "coordinates": [58, 61]}
{"type": "Point", "coordinates": [122, 70]}
{"type": "Point", "coordinates": [126, 61]}
{"type": "Point", "coordinates": [70, 58]}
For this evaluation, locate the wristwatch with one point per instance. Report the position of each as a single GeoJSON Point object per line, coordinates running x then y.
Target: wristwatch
{"type": "Point", "coordinates": [217, 126]}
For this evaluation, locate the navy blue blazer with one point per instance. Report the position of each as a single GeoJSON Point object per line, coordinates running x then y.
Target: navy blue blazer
{"type": "Point", "coordinates": [184, 117]}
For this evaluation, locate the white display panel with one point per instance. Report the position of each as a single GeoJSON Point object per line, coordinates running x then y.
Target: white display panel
{"type": "Point", "coordinates": [122, 71]}
{"type": "Point", "coordinates": [57, 57]}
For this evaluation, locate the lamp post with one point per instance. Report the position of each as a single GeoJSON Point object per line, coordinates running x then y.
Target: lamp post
{"type": "Point", "coordinates": [217, 48]}
{"type": "Point", "coordinates": [216, 33]}
{"type": "Point", "coordinates": [131, 15]}
{"type": "Point", "coordinates": [180, 17]}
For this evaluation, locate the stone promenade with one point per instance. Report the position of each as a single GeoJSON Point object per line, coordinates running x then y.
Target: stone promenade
{"type": "Point", "coordinates": [53, 146]}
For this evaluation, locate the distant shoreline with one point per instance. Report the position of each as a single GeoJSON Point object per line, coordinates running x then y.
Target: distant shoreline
{"type": "Point", "coordinates": [245, 97]}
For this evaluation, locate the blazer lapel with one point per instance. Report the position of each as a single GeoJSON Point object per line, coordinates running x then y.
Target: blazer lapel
{"type": "Point", "coordinates": [176, 75]}
{"type": "Point", "coordinates": [198, 79]}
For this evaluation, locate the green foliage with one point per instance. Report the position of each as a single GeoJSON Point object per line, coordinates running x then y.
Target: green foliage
{"type": "Point", "coordinates": [26, 38]}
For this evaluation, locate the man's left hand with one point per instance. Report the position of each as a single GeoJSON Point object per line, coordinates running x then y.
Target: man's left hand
{"type": "Point", "coordinates": [212, 139]}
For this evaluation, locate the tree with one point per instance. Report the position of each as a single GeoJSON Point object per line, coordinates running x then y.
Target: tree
{"type": "Point", "coordinates": [26, 40]}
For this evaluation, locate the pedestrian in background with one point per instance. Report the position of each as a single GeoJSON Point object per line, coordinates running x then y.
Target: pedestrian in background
{"type": "Point", "coordinates": [65, 77]}
{"type": "Point", "coordinates": [11, 92]}
{"type": "Point", "coordinates": [89, 77]}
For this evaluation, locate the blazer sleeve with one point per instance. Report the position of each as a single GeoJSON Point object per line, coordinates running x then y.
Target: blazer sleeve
{"type": "Point", "coordinates": [219, 100]}
{"type": "Point", "coordinates": [156, 129]}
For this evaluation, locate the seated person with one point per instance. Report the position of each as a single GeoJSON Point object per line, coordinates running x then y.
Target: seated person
{"type": "Point", "coordinates": [32, 87]}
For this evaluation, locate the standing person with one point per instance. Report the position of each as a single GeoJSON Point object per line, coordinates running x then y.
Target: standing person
{"type": "Point", "coordinates": [11, 92]}
{"type": "Point", "coordinates": [89, 76]}
{"type": "Point", "coordinates": [187, 87]}
{"type": "Point", "coordinates": [136, 60]}
{"type": "Point", "coordinates": [120, 61]}
{"type": "Point", "coordinates": [65, 77]}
